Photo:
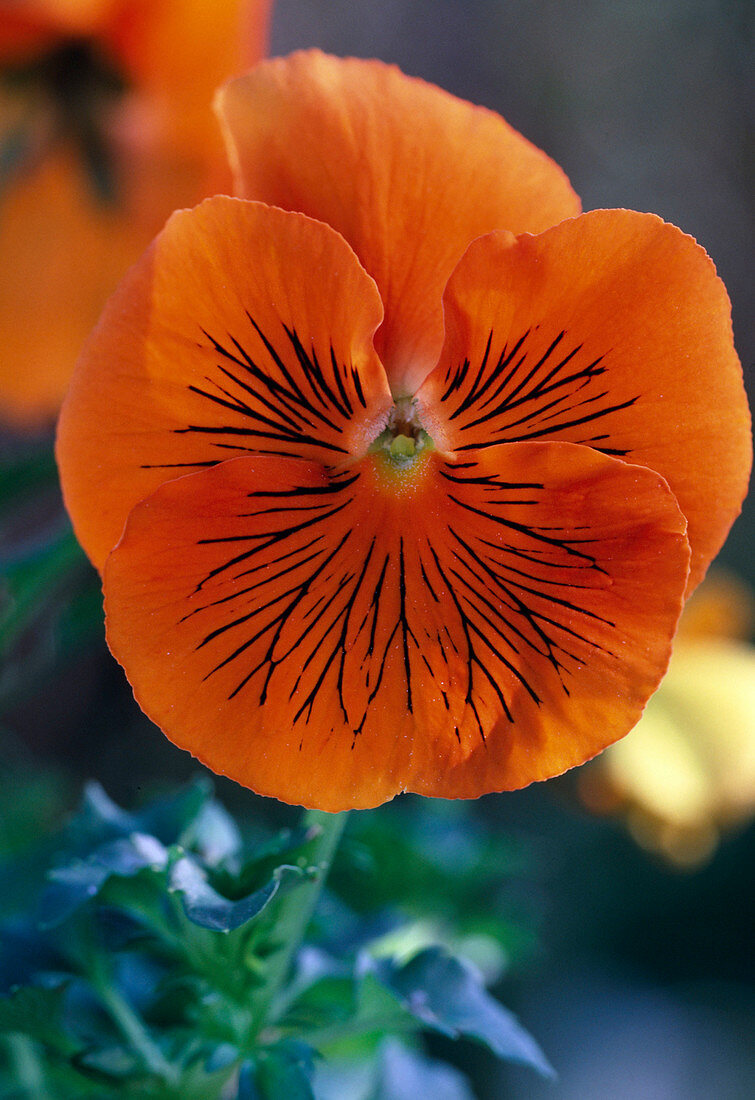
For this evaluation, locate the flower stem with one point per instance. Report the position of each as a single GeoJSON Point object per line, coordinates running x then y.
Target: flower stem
{"type": "Point", "coordinates": [134, 1030]}
{"type": "Point", "coordinates": [295, 910]}
{"type": "Point", "coordinates": [28, 1067]}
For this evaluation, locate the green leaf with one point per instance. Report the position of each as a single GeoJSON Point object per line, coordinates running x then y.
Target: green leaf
{"type": "Point", "coordinates": [247, 1089]}
{"type": "Point", "coordinates": [98, 820]}
{"type": "Point", "coordinates": [215, 835]}
{"type": "Point", "coordinates": [221, 1056]}
{"type": "Point", "coordinates": [173, 819]}
{"type": "Point", "coordinates": [438, 863]}
{"type": "Point", "coordinates": [206, 907]}
{"type": "Point", "coordinates": [356, 1010]}
{"type": "Point", "coordinates": [405, 1074]}
{"type": "Point", "coordinates": [112, 1061]}
{"type": "Point", "coordinates": [32, 577]}
{"type": "Point", "coordinates": [170, 819]}
{"type": "Point", "coordinates": [38, 1013]}
{"type": "Point", "coordinates": [286, 1071]}
{"type": "Point", "coordinates": [289, 846]}
{"type": "Point", "coordinates": [447, 995]}
{"type": "Point", "coordinates": [23, 953]}
{"type": "Point", "coordinates": [74, 884]}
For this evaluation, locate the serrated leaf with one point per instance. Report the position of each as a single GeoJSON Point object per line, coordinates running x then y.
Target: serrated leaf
{"type": "Point", "coordinates": [447, 995]}
{"type": "Point", "coordinates": [406, 1074]}
{"type": "Point", "coordinates": [204, 906]}
{"type": "Point", "coordinates": [38, 1013]}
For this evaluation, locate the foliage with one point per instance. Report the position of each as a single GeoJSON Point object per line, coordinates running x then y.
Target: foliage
{"type": "Point", "coordinates": [153, 960]}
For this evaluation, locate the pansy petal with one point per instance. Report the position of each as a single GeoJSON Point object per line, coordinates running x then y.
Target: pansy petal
{"type": "Point", "coordinates": [243, 330]}
{"type": "Point", "coordinates": [610, 330]}
{"type": "Point", "coordinates": [333, 639]}
{"type": "Point", "coordinates": [47, 309]}
{"type": "Point", "coordinates": [29, 26]}
{"type": "Point", "coordinates": [406, 172]}
{"type": "Point", "coordinates": [177, 52]}
{"type": "Point", "coordinates": [49, 215]}
{"type": "Point", "coordinates": [569, 568]}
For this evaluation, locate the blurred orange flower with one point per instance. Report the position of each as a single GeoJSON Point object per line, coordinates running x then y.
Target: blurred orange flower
{"type": "Point", "coordinates": [105, 129]}
{"type": "Point", "coordinates": [409, 500]}
{"type": "Point", "coordinates": [687, 771]}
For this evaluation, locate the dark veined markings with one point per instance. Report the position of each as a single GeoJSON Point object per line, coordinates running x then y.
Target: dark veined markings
{"type": "Point", "coordinates": [284, 402]}
{"type": "Point", "coordinates": [517, 396]}
{"type": "Point", "coordinates": [494, 596]}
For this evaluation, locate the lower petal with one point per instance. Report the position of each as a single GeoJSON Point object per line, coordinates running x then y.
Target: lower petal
{"type": "Point", "coordinates": [453, 629]}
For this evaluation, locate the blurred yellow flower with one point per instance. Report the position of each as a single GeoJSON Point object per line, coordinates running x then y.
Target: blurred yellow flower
{"type": "Point", "coordinates": [687, 770]}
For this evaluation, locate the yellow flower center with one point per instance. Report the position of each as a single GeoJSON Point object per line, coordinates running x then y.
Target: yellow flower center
{"type": "Point", "coordinates": [400, 451]}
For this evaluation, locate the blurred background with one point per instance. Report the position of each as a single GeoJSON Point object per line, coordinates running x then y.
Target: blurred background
{"type": "Point", "coordinates": [634, 966]}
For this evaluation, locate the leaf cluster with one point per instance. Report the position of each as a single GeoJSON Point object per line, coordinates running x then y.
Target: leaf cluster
{"type": "Point", "coordinates": [142, 966]}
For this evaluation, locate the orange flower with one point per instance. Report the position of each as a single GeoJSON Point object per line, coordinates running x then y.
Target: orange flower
{"type": "Point", "coordinates": [416, 516]}
{"type": "Point", "coordinates": [105, 129]}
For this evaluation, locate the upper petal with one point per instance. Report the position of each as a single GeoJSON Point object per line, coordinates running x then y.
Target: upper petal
{"type": "Point", "coordinates": [243, 330]}
{"type": "Point", "coordinates": [611, 330]}
{"type": "Point", "coordinates": [406, 172]}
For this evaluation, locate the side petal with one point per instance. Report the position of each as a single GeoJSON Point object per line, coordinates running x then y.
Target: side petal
{"type": "Point", "coordinates": [243, 330]}
{"type": "Point", "coordinates": [610, 330]}
{"type": "Point", "coordinates": [406, 172]}
{"type": "Point", "coordinates": [333, 639]}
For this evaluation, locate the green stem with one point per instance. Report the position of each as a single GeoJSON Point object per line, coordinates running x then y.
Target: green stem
{"type": "Point", "coordinates": [134, 1030]}
{"type": "Point", "coordinates": [295, 910]}
{"type": "Point", "coordinates": [27, 1067]}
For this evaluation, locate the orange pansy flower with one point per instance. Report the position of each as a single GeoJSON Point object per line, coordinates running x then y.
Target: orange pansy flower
{"type": "Point", "coordinates": [395, 482]}
{"type": "Point", "coordinates": [105, 129]}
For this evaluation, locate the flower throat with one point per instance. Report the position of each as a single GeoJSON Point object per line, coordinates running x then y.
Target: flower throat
{"type": "Point", "coordinates": [403, 439]}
